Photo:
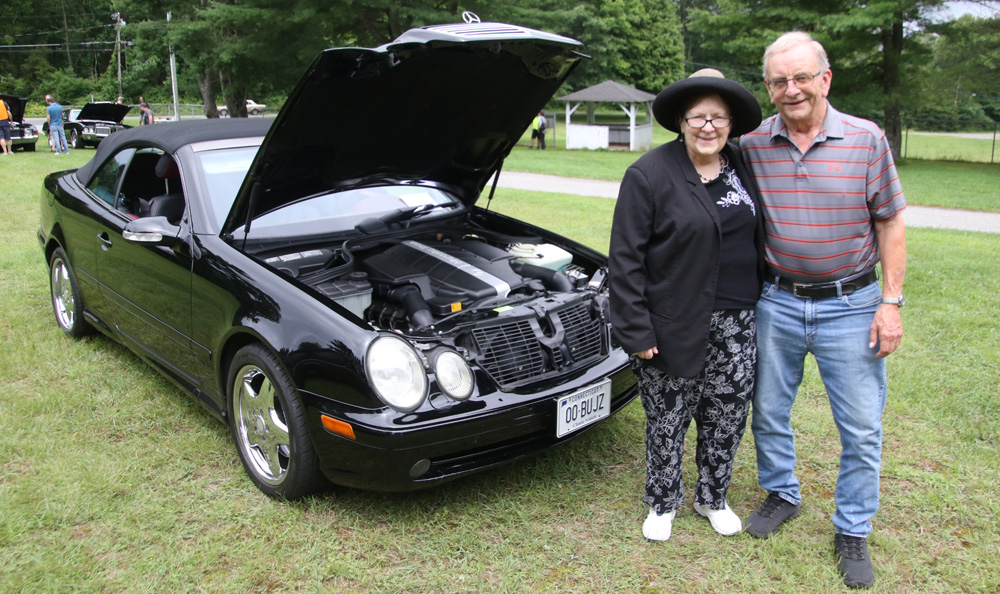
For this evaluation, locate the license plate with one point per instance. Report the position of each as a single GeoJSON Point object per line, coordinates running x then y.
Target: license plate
{"type": "Point", "coordinates": [583, 408]}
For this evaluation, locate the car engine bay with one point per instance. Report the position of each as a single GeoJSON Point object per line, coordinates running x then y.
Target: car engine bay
{"type": "Point", "coordinates": [523, 311]}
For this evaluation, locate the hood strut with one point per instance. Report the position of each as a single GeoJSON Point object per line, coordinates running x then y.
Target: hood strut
{"type": "Point", "coordinates": [254, 193]}
{"type": "Point", "coordinates": [496, 180]}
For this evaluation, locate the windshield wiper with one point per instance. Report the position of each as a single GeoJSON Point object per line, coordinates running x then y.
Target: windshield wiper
{"type": "Point", "coordinates": [376, 224]}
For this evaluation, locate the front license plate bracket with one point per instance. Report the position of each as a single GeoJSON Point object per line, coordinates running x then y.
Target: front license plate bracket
{"type": "Point", "coordinates": [583, 407]}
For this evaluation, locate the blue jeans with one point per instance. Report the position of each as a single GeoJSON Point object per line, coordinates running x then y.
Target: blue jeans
{"type": "Point", "coordinates": [58, 134]}
{"type": "Point", "coordinates": [836, 331]}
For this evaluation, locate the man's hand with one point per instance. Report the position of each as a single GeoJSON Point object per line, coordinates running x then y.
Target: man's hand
{"type": "Point", "coordinates": [887, 330]}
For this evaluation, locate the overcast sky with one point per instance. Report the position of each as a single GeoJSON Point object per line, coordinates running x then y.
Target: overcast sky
{"type": "Point", "coordinates": [958, 8]}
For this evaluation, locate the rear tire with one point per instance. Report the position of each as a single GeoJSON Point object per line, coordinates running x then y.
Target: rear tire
{"type": "Point", "coordinates": [67, 303]}
{"type": "Point", "coordinates": [268, 425]}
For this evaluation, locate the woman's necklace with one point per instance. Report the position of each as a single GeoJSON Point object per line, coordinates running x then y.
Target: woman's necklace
{"type": "Point", "coordinates": [722, 166]}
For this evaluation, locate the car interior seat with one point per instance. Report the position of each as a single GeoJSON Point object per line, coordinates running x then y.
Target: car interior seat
{"type": "Point", "coordinates": [170, 204]}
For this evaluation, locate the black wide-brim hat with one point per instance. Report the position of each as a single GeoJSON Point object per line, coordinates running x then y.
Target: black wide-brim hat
{"type": "Point", "coordinates": [742, 104]}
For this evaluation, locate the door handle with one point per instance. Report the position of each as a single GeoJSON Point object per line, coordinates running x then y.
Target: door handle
{"type": "Point", "coordinates": [105, 240]}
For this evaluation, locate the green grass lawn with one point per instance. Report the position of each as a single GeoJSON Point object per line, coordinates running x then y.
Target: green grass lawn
{"type": "Point", "coordinates": [945, 183]}
{"type": "Point", "coordinates": [112, 481]}
{"type": "Point", "coordinates": [979, 148]}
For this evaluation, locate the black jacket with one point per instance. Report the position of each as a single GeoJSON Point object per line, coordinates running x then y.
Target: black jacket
{"type": "Point", "coordinates": [664, 258]}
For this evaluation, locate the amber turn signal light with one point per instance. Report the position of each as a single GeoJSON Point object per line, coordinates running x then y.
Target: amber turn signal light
{"type": "Point", "coordinates": [336, 426]}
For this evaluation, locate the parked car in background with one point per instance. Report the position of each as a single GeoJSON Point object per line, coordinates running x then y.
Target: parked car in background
{"type": "Point", "coordinates": [253, 108]}
{"type": "Point", "coordinates": [332, 292]}
{"type": "Point", "coordinates": [22, 135]}
{"type": "Point", "coordinates": [92, 123]}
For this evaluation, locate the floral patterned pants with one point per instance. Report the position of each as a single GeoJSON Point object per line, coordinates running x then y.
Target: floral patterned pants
{"type": "Point", "coordinates": [718, 400]}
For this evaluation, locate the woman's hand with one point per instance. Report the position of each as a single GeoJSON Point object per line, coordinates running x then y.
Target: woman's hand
{"type": "Point", "coordinates": [647, 354]}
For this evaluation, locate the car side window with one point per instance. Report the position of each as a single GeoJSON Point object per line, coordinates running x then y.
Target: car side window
{"type": "Point", "coordinates": [105, 184]}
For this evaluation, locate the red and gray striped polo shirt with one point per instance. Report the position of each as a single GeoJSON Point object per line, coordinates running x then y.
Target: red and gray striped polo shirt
{"type": "Point", "coordinates": [819, 207]}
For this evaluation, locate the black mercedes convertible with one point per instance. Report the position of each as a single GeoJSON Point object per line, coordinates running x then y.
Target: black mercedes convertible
{"type": "Point", "coordinates": [326, 284]}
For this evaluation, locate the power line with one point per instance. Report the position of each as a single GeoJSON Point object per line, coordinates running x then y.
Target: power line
{"type": "Point", "coordinates": [62, 31]}
{"type": "Point", "coordinates": [84, 43]}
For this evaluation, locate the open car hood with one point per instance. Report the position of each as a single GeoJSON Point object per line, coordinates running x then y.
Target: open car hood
{"type": "Point", "coordinates": [441, 104]}
{"type": "Point", "coordinates": [104, 111]}
{"type": "Point", "coordinates": [16, 105]}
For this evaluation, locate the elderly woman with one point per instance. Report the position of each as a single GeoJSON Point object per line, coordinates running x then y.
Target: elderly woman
{"type": "Point", "coordinates": [687, 266]}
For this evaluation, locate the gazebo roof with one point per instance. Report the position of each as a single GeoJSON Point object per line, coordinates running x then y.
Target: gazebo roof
{"type": "Point", "coordinates": [609, 91]}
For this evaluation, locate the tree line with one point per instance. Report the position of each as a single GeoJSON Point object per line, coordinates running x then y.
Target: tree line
{"type": "Point", "coordinates": [891, 58]}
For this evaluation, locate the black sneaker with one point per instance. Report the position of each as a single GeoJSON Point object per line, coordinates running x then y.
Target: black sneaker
{"type": "Point", "coordinates": [854, 562]}
{"type": "Point", "coordinates": [769, 517]}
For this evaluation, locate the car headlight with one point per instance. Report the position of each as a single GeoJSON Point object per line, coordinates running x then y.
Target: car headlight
{"type": "Point", "coordinates": [453, 375]}
{"type": "Point", "coordinates": [396, 373]}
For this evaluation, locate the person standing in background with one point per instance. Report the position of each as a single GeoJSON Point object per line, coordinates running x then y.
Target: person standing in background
{"type": "Point", "coordinates": [145, 114]}
{"type": "Point", "coordinates": [5, 125]}
{"type": "Point", "coordinates": [54, 117]}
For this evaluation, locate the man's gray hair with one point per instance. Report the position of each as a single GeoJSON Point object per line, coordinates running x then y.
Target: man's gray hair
{"type": "Point", "coordinates": [794, 39]}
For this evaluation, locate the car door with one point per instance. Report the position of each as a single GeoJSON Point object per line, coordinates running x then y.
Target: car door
{"type": "Point", "coordinates": [148, 285]}
{"type": "Point", "coordinates": [83, 222]}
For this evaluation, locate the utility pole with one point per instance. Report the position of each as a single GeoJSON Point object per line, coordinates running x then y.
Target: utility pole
{"type": "Point", "coordinates": [118, 47]}
{"type": "Point", "coordinates": [173, 74]}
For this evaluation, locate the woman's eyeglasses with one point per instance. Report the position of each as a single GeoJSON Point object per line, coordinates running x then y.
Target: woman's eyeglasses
{"type": "Point", "coordinates": [700, 122]}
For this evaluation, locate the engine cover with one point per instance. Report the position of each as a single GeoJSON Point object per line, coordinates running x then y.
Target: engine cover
{"type": "Point", "coordinates": [465, 270]}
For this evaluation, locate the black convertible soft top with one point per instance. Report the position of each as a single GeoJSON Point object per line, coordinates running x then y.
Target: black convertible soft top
{"type": "Point", "coordinates": [172, 136]}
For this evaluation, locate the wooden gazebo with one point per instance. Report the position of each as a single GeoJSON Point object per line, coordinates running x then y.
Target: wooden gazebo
{"type": "Point", "coordinates": [635, 136]}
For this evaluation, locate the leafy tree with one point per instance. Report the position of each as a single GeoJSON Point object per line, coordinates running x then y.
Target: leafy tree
{"type": "Point", "coordinates": [72, 38]}
{"type": "Point", "coordinates": [968, 51]}
{"type": "Point", "coordinates": [868, 43]}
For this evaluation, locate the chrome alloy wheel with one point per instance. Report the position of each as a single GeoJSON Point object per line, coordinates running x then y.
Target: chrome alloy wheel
{"type": "Point", "coordinates": [63, 300]}
{"type": "Point", "coordinates": [262, 432]}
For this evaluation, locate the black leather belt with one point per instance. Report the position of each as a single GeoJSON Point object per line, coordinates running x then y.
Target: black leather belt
{"type": "Point", "coordinates": [820, 290]}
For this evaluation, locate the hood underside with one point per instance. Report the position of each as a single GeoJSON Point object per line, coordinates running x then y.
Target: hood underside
{"type": "Point", "coordinates": [104, 111]}
{"type": "Point", "coordinates": [16, 105]}
{"type": "Point", "coordinates": [440, 105]}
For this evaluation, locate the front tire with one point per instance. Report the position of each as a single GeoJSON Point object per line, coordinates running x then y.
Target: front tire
{"type": "Point", "coordinates": [269, 428]}
{"type": "Point", "coordinates": [74, 140]}
{"type": "Point", "coordinates": [66, 300]}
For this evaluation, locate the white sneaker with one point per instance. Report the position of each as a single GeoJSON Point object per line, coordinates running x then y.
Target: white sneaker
{"type": "Point", "coordinates": [657, 526]}
{"type": "Point", "coordinates": [724, 521]}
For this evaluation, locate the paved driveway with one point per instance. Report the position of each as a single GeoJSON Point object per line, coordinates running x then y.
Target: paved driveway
{"type": "Point", "coordinates": [916, 216]}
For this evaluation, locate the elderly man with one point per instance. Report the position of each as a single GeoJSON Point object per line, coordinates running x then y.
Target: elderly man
{"type": "Point", "coordinates": [833, 210]}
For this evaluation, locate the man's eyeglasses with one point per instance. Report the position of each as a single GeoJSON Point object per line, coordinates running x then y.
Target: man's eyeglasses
{"type": "Point", "coordinates": [699, 122]}
{"type": "Point", "coordinates": [800, 80]}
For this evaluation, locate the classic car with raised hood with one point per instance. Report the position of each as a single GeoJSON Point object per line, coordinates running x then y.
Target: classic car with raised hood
{"type": "Point", "coordinates": [330, 288]}
{"type": "Point", "coordinates": [94, 122]}
{"type": "Point", "coordinates": [23, 135]}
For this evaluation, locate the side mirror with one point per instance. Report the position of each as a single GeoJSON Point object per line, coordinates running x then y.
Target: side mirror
{"type": "Point", "coordinates": [152, 231]}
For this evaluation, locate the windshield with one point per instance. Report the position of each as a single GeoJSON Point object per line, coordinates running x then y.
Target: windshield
{"type": "Point", "coordinates": [224, 171]}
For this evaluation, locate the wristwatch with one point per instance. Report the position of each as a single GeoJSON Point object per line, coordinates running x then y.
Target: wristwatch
{"type": "Point", "coordinates": [894, 300]}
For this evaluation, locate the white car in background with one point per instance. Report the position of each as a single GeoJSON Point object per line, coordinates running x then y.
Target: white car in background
{"type": "Point", "coordinates": [253, 108]}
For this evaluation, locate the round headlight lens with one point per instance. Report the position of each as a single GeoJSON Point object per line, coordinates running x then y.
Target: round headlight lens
{"type": "Point", "coordinates": [396, 373]}
{"type": "Point", "coordinates": [453, 375]}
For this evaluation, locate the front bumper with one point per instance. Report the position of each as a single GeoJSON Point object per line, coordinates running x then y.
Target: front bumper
{"type": "Point", "coordinates": [389, 455]}
{"type": "Point", "coordinates": [95, 134]}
